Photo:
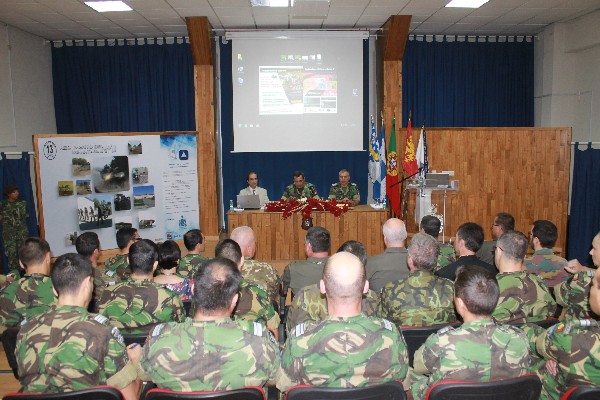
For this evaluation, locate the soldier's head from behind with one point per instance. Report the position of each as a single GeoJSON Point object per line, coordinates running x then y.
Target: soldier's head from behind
{"type": "Point", "coordinates": [34, 256]}
{"type": "Point", "coordinates": [143, 258]}
{"type": "Point", "coordinates": [423, 253]}
{"type": "Point", "coordinates": [476, 293]}
{"type": "Point", "coordinates": [317, 241]}
{"type": "Point", "coordinates": [126, 237]}
{"type": "Point", "coordinates": [230, 250]}
{"type": "Point", "coordinates": [595, 251]}
{"type": "Point", "coordinates": [216, 288]}
{"type": "Point", "coordinates": [298, 177]}
{"type": "Point", "coordinates": [355, 247]}
{"type": "Point", "coordinates": [394, 233]}
{"type": "Point", "coordinates": [510, 251]}
{"type": "Point", "coordinates": [72, 278]}
{"type": "Point", "coordinates": [503, 222]}
{"type": "Point", "coordinates": [194, 241]}
{"type": "Point", "coordinates": [344, 177]}
{"type": "Point", "coordinates": [169, 254]}
{"type": "Point", "coordinates": [543, 234]}
{"type": "Point", "coordinates": [344, 282]}
{"type": "Point", "coordinates": [88, 245]}
{"type": "Point", "coordinates": [431, 225]}
{"type": "Point", "coordinates": [469, 238]}
{"type": "Point", "coordinates": [244, 236]}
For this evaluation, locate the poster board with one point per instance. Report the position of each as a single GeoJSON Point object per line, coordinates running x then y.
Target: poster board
{"type": "Point", "coordinates": [102, 182]}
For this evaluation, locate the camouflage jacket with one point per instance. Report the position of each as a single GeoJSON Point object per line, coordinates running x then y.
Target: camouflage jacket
{"type": "Point", "coordinates": [254, 305]}
{"type": "Point", "coordinates": [550, 267]}
{"type": "Point", "coordinates": [419, 300]}
{"type": "Point", "coordinates": [311, 305]}
{"type": "Point", "coordinates": [101, 281]}
{"type": "Point", "coordinates": [292, 192]}
{"type": "Point", "coordinates": [299, 274]}
{"type": "Point", "coordinates": [262, 274]}
{"type": "Point", "coordinates": [343, 352]}
{"type": "Point", "coordinates": [188, 265]}
{"type": "Point", "coordinates": [216, 355]}
{"type": "Point", "coordinates": [574, 295]}
{"type": "Point", "coordinates": [13, 215]}
{"type": "Point", "coordinates": [117, 266]}
{"type": "Point", "coordinates": [523, 298]}
{"type": "Point", "coordinates": [138, 303]}
{"type": "Point", "coordinates": [25, 298]}
{"type": "Point", "coordinates": [478, 350]}
{"type": "Point", "coordinates": [68, 349]}
{"type": "Point", "coordinates": [447, 255]}
{"type": "Point", "coordinates": [349, 193]}
{"type": "Point", "coordinates": [575, 345]}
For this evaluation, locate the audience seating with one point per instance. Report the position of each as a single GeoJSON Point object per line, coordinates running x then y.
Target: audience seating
{"type": "Point", "coordinates": [385, 391]}
{"type": "Point", "coordinates": [526, 387]}
{"type": "Point", "coordinates": [91, 393]}
{"type": "Point", "coordinates": [582, 393]}
{"type": "Point", "coordinates": [415, 336]}
{"type": "Point", "coordinates": [9, 343]}
{"type": "Point", "coordinates": [247, 393]}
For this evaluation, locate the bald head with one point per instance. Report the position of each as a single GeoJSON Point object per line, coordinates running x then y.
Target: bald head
{"type": "Point", "coordinates": [244, 236]}
{"type": "Point", "coordinates": [344, 278]}
{"type": "Point", "coordinates": [394, 233]}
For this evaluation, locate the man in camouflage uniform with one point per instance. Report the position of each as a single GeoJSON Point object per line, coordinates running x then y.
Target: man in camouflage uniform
{"type": "Point", "coordinates": [211, 351]}
{"type": "Point", "coordinates": [88, 245]}
{"type": "Point", "coordinates": [431, 225]}
{"type": "Point", "coordinates": [478, 349]}
{"type": "Point", "coordinates": [117, 265]}
{"type": "Point", "coordinates": [139, 303]}
{"type": "Point", "coordinates": [422, 298]}
{"type": "Point", "coordinates": [371, 350]}
{"type": "Point", "coordinates": [299, 274]}
{"type": "Point", "coordinates": [524, 297]}
{"type": "Point", "coordinates": [391, 265]}
{"type": "Point", "coordinates": [191, 262]}
{"type": "Point", "coordinates": [68, 348]}
{"type": "Point", "coordinates": [13, 217]}
{"type": "Point", "coordinates": [299, 189]}
{"type": "Point", "coordinates": [544, 263]}
{"type": "Point", "coordinates": [344, 190]}
{"type": "Point", "coordinates": [32, 294]}
{"type": "Point", "coordinates": [260, 273]}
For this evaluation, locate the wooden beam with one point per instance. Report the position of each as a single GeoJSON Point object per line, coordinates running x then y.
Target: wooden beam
{"type": "Point", "coordinates": [199, 30]}
{"type": "Point", "coordinates": [395, 34]}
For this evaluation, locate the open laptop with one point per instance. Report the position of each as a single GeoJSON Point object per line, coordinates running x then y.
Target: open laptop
{"type": "Point", "coordinates": [437, 180]}
{"type": "Point", "coordinates": [248, 201]}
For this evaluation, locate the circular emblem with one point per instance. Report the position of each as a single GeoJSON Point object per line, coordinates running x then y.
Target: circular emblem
{"type": "Point", "coordinates": [50, 150]}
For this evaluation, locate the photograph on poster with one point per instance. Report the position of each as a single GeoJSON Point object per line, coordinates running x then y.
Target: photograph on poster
{"type": "Point", "coordinates": [95, 212]}
{"type": "Point", "coordinates": [65, 188]}
{"type": "Point", "coordinates": [143, 196]}
{"type": "Point", "coordinates": [139, 175]}
{"type": "Point", "coordinates": [135, 147]}
{"type": "Point", "coordinates": [147, 219]}
{"type": "Point", "coordinates": [123, 222]}
{"type": "Point", "coordinates": [110, 174]}
{"type": "Point", "coordinates": [83, 186]}
{"type": "Point", "coordinates": [122, 202]}
{"type": "Point", "coordinates": [70, 238]}
{"type": "Point", "coordinates": [80, 166]}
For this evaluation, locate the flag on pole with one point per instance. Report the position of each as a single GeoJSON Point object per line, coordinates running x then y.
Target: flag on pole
{"type": "Point", "coordinates": [383, 169]}
{"type": "Point", "coordinates": [391, 179]}
{"type": "Point", "coordinates": [422, 158]}
{"type": "Point", "coordinates": [409, 163]}
{"type": "Point", "coordinates": [374, 161]}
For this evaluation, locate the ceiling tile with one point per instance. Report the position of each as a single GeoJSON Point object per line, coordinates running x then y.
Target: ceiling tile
{"type": "Point", "coordinates": [350, 3]}
{"type": "Point", "coordinates": [233, 12]}
{"type": "Point", "coordinates": [371, 21]}
{"type": "Point", "coordinates": [139, 5]}
{"type": "Point", "coordinates": [188, 3]}
{"type": "Point", "coordinates": [344, 11]}
{"type": "Point", "coordinates": [65, 6]}
{"type": "Point", "coordinates": [386, 11]}
{"type": "Point", "coordinates": [195, 12]}
{"type": "Point", "coordinates": [238, 22]}
{"type": "Point", "coordinates": [230, 3]}
{"type": "Point", "coordinates": [305, 23]}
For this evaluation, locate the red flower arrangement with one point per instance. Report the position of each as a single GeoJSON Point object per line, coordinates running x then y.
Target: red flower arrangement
{"type": "Point", "coordinates": [306, 206]}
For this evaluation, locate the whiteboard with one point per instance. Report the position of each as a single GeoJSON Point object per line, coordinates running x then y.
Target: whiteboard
{"type": "Point", "coordinates": [103, 182]}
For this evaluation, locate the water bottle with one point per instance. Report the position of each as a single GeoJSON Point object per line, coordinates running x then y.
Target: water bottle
{"type": "Point", "coordinates": [230, 205]}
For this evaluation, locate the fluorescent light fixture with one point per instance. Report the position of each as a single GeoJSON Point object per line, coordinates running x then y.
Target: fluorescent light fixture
{"type": "Point", "coordinates": [105, 6]}
{"type": "Point", "coordinates": [467, 3]}
{"type": "Point", "coordinates": [269, 3]}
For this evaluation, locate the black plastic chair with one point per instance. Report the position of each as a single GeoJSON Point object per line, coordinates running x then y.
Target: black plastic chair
{"type": "Point", "coordinates": [415, 336]}
{"type": "Point", "coordinates": [91, 393]}
{"type": "Point", "coordinates": [526, 387]}
{"type": "Point", "coordinates": [9, 343]}
{"type": "Point", "coordinates": [582, 393]}
{"type": "Point", "coordinates": [247, 393]}
{"type": "Point", "coordinates": [385, 391]}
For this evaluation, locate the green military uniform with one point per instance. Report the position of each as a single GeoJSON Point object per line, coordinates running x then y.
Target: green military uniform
{"type": "Point", "coordinates": [254, 305]}
{"type": "Point", "coordinates": [343, 352]}
{"type": "Point", "coordinates": [101, 281]}
{"type": "Point", "coordinates": [139, 303]}
{"type": "Point", "coordinates": [421, 299]}
{"type": "Point", "coordinates": [117, 266]}
{"type": "Point", "coordinates": [299, 274]}
{"type": "Point", "coordinates": [386, 267]}
{"type": "Point", "coordinates": [350, 192]}
{"type": "Point", "coordinates": [25, 298]}
{"type": "Point", "coordinates": [478, 350]}
{"type": "Point", "coordinates": [550, 267]}
{"type": "Point", "coordinates": [206, 356]}
{"type": "Point", "coordinates": [189, 264]}
{"type": "Point", "coordinates": [523, 298]}
{"type": "Point", "coordinates": [575, 345]}
{"type": "Point", "coordinates": [13, 217]}
{"type": "Point", "coordinates": [292, 192]}
{"type": "Point", "coordinates": [263, 275]}
{"type": "Point", "coordinates": [68, 349]}
{"type": "Point", "coordinates": [311, 305]}
{"type": "Point", "coordinates": [574, 295]}
{"type": "Point", "coordinates": [447, 255]}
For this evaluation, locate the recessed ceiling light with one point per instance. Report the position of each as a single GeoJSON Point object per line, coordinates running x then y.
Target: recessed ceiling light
{"type": "Point", "coordinates": [105, 6]}
{"type": "Point", "coordinates": [467, 3]}
{"type": "Point", "coordinates": [269, 3]}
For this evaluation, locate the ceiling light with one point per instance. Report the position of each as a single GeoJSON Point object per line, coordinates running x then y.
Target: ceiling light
{"type": "Point", "coordinates": [269, 3]}
{"type": "Point", "coordinates": [467, 3]}
{"type": "Point", "coordinates": [105, 6]}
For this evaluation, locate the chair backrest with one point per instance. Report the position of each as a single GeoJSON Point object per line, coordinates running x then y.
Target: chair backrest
{"type": "Point", "coordinates": [247, 393]}
{"type": "Point", "coordinates": [91, 393]}
{"type": "Point", "coordinates": [415, 336]}
{"type": "Point", "coordinates": [9, 343]}
{"type": "Point", "coordinates": [547, 323]}
{"type": "Point", "coordinates": [582, 393]}
{"type": "Point", "coordinates": [385, 391]}
{"type": "Point", "coordinates": [526, 387]}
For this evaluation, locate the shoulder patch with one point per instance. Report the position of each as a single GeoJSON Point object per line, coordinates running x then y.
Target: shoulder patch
{"type": "Point", "coordinates": [156, 330]}
{"type": "Point", "coordinates": [300, 329]}
{"type": "Point", "coordinates": [258, 329]}
{"type": "Point", "coordinates": [556, 328]}
{"type": "Point", "coordinates": [387, 324]}
{"type": "Point", "coordinates": [117, 335]}
{"type": "Point", "coordinates": [101, 318]}
{"type": "Point", "coordinates": [109, 273]}
{"type": "Point", "coordinates": [445, 329]}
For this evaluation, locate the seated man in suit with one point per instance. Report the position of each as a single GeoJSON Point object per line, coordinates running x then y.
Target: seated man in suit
{"type": "Point", "coordinates": [254, 189]}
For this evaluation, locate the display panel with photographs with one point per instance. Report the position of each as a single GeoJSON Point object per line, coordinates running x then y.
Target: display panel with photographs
{"type": "Point", "coordinates": [110, 174]}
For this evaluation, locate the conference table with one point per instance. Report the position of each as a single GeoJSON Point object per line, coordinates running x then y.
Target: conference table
{"type": "Point", "coordinates": [283, 239]}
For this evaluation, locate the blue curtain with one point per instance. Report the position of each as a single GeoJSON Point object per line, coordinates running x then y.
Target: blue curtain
{"type": "Point", "coordinates": [16, 171]}
{"type": "Point", "coordinates": [584, 222]}
{"type": "Point", "coordinates": [461, 84]}
{"type": "Point", "coordinates": [123, 88]}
